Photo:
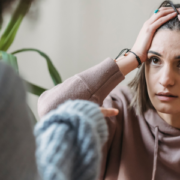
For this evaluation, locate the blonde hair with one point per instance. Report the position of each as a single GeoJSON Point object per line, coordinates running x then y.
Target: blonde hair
{"type": "Point", "coordinates": [138, 86]}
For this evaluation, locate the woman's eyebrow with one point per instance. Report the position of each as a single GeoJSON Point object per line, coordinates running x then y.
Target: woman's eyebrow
{"type": "Point", "coordinates": [156, 53]}
{"type": "Point", "coordinates": [177, 57]}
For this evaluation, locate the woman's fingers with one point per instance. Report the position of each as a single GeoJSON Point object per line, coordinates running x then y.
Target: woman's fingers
{"type": "Point", "coordinates": [107, 112]}
{"type": "Point", "coordinates": [160, 14]}
{"type": "Point", "coordinates": [146, 34]}
{"type": "Point", "coordinates": [166, 8]}
{"type": "Point", "coordinates": [162, 20]}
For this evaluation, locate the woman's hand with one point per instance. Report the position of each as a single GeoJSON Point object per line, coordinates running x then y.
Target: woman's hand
{"type": "Point", "coordinates": [143, 42]}
{"type": "Point", "coordinates": [148, 30]}
{"type": "Point", "coordinates": [107, 112]}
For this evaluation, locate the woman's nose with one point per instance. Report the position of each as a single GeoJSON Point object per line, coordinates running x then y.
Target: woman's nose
{"type": "Point", "coordinates": [167, 77]}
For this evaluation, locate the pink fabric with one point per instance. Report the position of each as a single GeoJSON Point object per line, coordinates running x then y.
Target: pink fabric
{"type": "Point", "coordinates": [139, 147]}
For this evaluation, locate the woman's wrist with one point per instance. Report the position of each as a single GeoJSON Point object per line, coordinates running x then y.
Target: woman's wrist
{"type": "Point", "coordinates": [127, 63]}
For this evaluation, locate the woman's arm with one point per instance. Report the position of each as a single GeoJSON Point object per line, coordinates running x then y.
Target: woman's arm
{"type": "Point", "coordinates": [93, 84]}
{"type": "Point", "coordinates": [97, 82]}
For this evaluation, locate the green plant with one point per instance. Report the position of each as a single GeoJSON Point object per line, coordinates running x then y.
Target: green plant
{"type": "Point", "coordinates": [7, 39]}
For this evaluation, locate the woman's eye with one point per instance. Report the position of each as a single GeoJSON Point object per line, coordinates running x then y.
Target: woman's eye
{"type": "Point", "coordinates": [178, 65]}
{"type": "Point", "coordinates": [154, 61]}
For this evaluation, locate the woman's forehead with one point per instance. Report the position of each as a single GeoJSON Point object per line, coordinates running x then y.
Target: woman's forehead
{"type": "Point", "coordinates": [166, 42]}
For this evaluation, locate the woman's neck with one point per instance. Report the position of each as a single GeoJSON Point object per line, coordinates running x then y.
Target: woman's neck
{"type": "Point", "coordinates": [172, 119]}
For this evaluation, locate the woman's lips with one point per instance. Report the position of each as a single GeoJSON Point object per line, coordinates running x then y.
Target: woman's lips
{"type": "Point", "coordinates": [166, 98]}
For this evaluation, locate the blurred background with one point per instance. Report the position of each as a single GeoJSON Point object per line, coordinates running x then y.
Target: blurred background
{"type": "Point", "coordinates": [76, 35]}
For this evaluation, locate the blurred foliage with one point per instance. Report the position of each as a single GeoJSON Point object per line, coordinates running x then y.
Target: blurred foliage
{"type": "Point", "coordinates": [7, 39]}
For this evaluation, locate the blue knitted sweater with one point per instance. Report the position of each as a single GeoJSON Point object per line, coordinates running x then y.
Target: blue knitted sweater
{"type": "Point", "coordinates": [69, 141]}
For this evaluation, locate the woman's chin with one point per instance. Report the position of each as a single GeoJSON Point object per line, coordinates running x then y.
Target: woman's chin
{"type": "Point", "coordinates": [167, 109]}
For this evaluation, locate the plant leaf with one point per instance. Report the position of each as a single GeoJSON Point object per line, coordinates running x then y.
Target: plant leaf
{"type": "Point", "coordinates": [12, 61]}
{"type": "Point", "coordinates": [52, 70]}
{"type": "Point", "coordinates": [9, 59]}
{"type": "Point", "coordinates": [13, 26]}
{"type": "Point", "coordinates": [34, 89]}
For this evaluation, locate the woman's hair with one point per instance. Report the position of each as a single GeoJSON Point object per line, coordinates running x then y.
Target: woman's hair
{"type": "Point", "coordinates": [138, 85]}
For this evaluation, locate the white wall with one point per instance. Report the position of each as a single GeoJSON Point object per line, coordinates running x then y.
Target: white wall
{"type": "Point", "coordinates": [78, 34]}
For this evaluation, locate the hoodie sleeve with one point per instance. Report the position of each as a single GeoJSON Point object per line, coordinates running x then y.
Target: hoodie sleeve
{"type": "Point", "coordinates": [93, 84]}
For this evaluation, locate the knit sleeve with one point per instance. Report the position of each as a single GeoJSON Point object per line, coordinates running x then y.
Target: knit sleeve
{"type": "Point", "coordinates": [69, 141]}
{"type": "Point", "coordinates": [93, 84]}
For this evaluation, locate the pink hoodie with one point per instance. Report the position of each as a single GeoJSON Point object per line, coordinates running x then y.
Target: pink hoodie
{"type": "Point", "coordinates": [139, 147]}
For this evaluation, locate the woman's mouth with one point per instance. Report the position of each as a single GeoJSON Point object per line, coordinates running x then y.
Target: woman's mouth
{"type": "Point", "coordinates": [166, 97]}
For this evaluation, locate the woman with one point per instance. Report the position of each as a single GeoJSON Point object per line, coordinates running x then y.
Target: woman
{"type": "Point", "coordinates": [144, 136]}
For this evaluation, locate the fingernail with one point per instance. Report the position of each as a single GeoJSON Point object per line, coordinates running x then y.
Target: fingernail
{"type": "Point", "coordinates": [117, 111]}
{"type": "Point", "coordinates": [179, 17]}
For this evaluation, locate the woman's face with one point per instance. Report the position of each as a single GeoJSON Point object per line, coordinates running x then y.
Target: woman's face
{"type": "Point", "coordinates": [162, 71]}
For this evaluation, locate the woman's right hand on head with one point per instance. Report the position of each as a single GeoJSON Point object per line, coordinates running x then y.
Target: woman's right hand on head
{"type": "Point", "coordinates": [148, 30]}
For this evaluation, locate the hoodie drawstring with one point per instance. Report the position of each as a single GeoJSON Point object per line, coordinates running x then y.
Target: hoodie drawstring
{"type": "Point", "coordinates": [155, 153]}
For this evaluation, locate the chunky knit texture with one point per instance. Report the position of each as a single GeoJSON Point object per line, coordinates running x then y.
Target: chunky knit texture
{"type": "Point", "coordinates": [69, 141]}
{"type": "Point", "coordinates": [17, 144]}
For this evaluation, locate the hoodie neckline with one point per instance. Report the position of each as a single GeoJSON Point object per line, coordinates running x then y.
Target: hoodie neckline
{"type": "Point", "coordinates": [153, 118]}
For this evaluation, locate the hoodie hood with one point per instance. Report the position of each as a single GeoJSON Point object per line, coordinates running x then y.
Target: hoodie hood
{"type": "Point", "coordinates": [158, 124]}
{"type": "Point", "coordinates": [154, 120]}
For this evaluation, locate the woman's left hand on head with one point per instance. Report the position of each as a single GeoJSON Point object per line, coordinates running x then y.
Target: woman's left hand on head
{"type": "Point", "coordinates": [148, 30]}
